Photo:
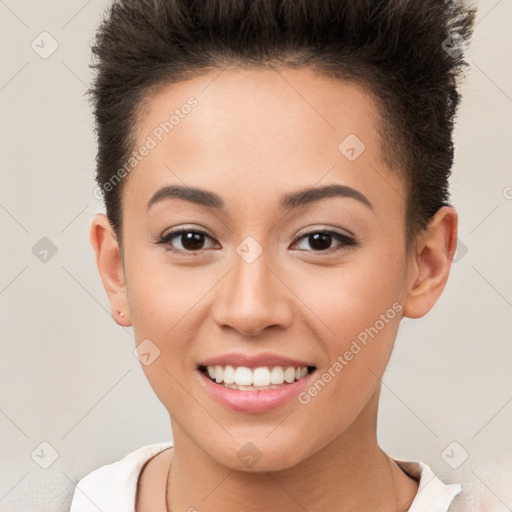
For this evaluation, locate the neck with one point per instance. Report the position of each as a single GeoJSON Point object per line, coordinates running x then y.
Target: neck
{"type": "Point", "coordinates": [350, 472]}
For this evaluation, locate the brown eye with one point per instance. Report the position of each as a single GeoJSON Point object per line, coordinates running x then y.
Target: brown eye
{"type": "Point", "coordinates": [192, 240]}
{"type": "Point", "coordinates": [321, 241]}
{"type": "Point", "coordinates": [186, 240]}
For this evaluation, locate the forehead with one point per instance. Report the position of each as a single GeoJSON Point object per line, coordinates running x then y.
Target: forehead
{"type": "Point", "coordinates": [259, 128]}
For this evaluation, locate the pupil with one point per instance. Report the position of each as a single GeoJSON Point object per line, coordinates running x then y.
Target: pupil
{"type": "Point", "coordinates": [320, 241]}
{"type": "Point", "coordinates": [192, 240]}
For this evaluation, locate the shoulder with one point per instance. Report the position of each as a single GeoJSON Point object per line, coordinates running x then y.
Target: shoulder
{"type": "Point", "coordinates": [433, 494]}
{"type": "Point", "coordinates": [112, 487]}
{"type": "Point", "coordinates": [481, 486]}
{"type": "Point", "coordinates": [486, 485]}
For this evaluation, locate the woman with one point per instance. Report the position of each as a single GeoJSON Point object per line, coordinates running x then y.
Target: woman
{"type": "Point", "coordinates": [275, 175]}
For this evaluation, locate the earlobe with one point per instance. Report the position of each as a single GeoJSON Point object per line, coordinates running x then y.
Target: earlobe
{"type": "Point", "coordinates": [110, 267]}
{"type": "Point", "coordinates": [431, 267]}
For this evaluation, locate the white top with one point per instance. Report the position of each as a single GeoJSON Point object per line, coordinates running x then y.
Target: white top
{"type": "Point", "coordinates": [112, 488]}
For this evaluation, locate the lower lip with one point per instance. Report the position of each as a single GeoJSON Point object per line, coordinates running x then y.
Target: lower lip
{"type": "Point", "coordinates": [254, 401]}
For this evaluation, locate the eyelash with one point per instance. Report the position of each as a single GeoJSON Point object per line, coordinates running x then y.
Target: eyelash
{"type": "Point", "coordinates": [346, 241]}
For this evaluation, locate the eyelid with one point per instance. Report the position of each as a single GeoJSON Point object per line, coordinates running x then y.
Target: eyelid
{"type": "Point", "coordinates": [185, 227]}
{"type": "Point", "coordinates": [323, 228]}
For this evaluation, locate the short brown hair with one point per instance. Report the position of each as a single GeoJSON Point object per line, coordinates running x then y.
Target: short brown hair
{"type": "Point", "coordinates": [401, 51]}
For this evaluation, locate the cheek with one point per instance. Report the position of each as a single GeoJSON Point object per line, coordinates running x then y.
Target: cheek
{"type": "Point", "coordinates": [167, 307]}
{"type": "Point", "coordinates": [357, 355]}
{"type": "Point", "coordinates": [164, 306]}
{"type": "Point", "coordinates": [357, 310]}
{"type": "Point", "coordinates": [162, 296]}
{"type": "Point", "coordinates": [349, 298]}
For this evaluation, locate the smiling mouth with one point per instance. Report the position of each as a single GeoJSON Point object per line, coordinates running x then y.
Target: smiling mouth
{"type": "Point", "coordinates": [243, 378]}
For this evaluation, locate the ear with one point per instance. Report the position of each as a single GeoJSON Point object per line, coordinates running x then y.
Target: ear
{"type": "Point", "coordinates": [431, 262]}
{"type": "Point", "coordinates": [110, 265]}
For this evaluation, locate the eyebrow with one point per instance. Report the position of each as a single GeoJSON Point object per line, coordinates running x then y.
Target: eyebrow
{"type": "Point", "coordinates": [288, 201]}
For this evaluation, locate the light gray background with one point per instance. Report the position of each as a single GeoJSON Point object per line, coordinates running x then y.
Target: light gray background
{"type": "Point", "coordinates": [68, 374]}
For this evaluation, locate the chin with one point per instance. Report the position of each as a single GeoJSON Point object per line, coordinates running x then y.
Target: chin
{"type": "Point", "coordinates": [259, 454]}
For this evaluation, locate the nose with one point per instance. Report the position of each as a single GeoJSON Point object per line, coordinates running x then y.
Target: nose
{"type": "Point", "coordinates": [252, 298]}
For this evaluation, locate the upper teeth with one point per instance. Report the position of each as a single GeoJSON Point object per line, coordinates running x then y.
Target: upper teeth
{"type": "Point", "coordinates": [262, 376]}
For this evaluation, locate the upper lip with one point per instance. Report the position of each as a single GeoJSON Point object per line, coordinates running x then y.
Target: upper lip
{"type": "Point", "coordinates": [253, 361]}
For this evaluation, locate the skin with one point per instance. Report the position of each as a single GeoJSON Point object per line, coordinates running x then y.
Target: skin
{"type": "Point", "coordinates": [254, 136]}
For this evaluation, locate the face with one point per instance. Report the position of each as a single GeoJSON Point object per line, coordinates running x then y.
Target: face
{"type": "Point", "coordinates": [261, 267]}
